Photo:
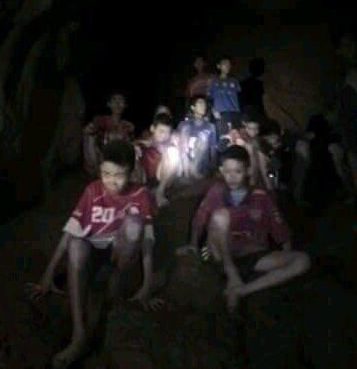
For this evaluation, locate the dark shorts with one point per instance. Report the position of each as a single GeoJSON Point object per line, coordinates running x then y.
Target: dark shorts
{"type": "Point", "coordinates": [101, 269]}
{"type": "Point", "coordinates": [246, 265]}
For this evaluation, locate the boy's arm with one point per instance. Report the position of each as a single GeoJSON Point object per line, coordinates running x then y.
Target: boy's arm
{"type": "Point", "coordinates": [263, 169]}
{"type": "Point", "coordinates": [38, 290]}
{"type": "Point", "coordinates": [56, 258]}
{"type": "Point", "coordinates": [183, 145]}
{"type": "Point", "coordinates": [201, 218]}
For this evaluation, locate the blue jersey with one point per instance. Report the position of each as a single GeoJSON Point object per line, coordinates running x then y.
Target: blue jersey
{"type": "Point", "coordinates": [192, 132]}
{"type": "Point", "coordinates": [224, 93]}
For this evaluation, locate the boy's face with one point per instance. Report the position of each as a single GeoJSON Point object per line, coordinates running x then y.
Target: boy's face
{"type": "Point", "coordinates": [234, 172]}
{"type": "Point", "coordinates": [117, 104]}
{"type": "Point", "coordinates": [113, 176]}
{"type": "Point", "coordinates": [200, 107]}
{"type": "Point", "coordinates": [225, 66]}
{"type": "Point", "coordinates": [161, 132]}
{"type": "Point", "coordinates": [273, 140]}
{"type": "Point", "coordinates": [199, 64]}
{"type": "Point", "coordinates": [252, 129]}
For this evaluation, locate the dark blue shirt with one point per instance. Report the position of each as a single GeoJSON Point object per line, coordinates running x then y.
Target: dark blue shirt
{"type": "Point", "coordinates": [224, 93]}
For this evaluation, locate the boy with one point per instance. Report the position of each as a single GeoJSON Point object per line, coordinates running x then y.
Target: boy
{"type": "Point", "coordinates": [105, 129]}
{"type": "Point", "coordinates": [224, 92]}
{"type": "Point", "coordinates": [197, 141]}
{"type": "Point", "coordinates": [238, 220]}
{"type": "Point", "coordinates": [247, 137]}
{"type": "Point", "coordinates": [159, 158]}
{"type": "Point", "coordinates": [112, 220]}
{"type": "Point", "coordinates": [200, 83]}
{"type": "Point", "coordinates": [271, 154]}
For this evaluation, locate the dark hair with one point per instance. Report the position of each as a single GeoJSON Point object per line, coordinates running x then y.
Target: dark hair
{"type": "Point", "coordinates": [224, 57]}
{"type": "Point", "coordinates": [114, 93]}
{"type": "Point", "coordinates": [162, 118]}
{"type": "Point", "coordinates": [195, 98]}
{"type": "Point", "coordinates": [121, 153]}
{"type": "Point", "coordinates": [237, 153]}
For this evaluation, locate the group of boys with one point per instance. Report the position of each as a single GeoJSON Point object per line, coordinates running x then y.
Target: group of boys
{"type": "Point", "coordinates": [233, 225]}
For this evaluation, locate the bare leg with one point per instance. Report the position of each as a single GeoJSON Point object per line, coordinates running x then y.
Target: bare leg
{"type": "Point", "coordinates": [280, 266]}
{"type": "Point", "coordinates": [218, 237]}
{"type": "Point", "coordinates": [78, 255]}
{"type": "Point", "coordinates": [127, 242]}
{"type": "Point", "coordinates": [168, 170]}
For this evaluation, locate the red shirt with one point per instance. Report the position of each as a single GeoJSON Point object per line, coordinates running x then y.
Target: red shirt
{"type": "Point", "coordinates": [99, 213]}
{"type": "Point", "coordinates": [252, 221]}
{"type": "Point", "coordinates": [111, 130]}
{"type": "Point", "coordinates": [151, 156]}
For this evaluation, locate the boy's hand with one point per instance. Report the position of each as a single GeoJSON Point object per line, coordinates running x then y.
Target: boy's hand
{"type": "Point", "coordinates": [37, 291]}
{"type": "Point", "coordinates": [216, 114]}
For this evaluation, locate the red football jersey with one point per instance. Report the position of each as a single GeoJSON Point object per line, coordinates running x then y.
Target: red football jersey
{"type": "Point", "coordinates": [99, 213]}
{"type": "Point", "coordinates": [111, 130]}
{"type": "Point", "coordinates": [252, 221]}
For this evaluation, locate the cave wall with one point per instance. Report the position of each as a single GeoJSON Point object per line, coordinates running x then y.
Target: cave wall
{"type": "Point", "coordinates": [40, 97]}
{"type": "Point", "coordinates": [301, 70]}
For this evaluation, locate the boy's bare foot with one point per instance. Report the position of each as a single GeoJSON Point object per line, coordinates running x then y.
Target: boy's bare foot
{"type": "Point", "coordinates": [36, 291]}
{"type": "Point", "coordinates": [71, 353]}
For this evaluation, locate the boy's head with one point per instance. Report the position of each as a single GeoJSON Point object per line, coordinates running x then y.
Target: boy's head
{"type": "Point", "coordinates": [271, 133]}
{"type": "Point", "coordinates": [118, 162]}
{"type": "Point", "coordinates": [163, 109]}
{"type": "Point", "coordinates": [251, 122]}
{"type": "Point", "coordinates": [198, 106]}
{"type": "Point", "coordinates": [234, 166]}
{"type": "Point", "coordinates": [224, 65]}
{"type": "Point", "coordinates": [199, 64]}
{"type": "Point", "coordinates": [161, 128]}
{"type": "Point", "coordinates": [116, 103]}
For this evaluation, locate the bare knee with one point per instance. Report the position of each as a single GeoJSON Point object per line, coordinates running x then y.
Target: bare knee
{"type": "Point", "coordinates": [133, 229]}
{"type": "Point", "coordinates": [78, 253]}
{"type": "Point", "coordinates": [301, 262]}
{"type": "Point", "coordinates": [220, 219]}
